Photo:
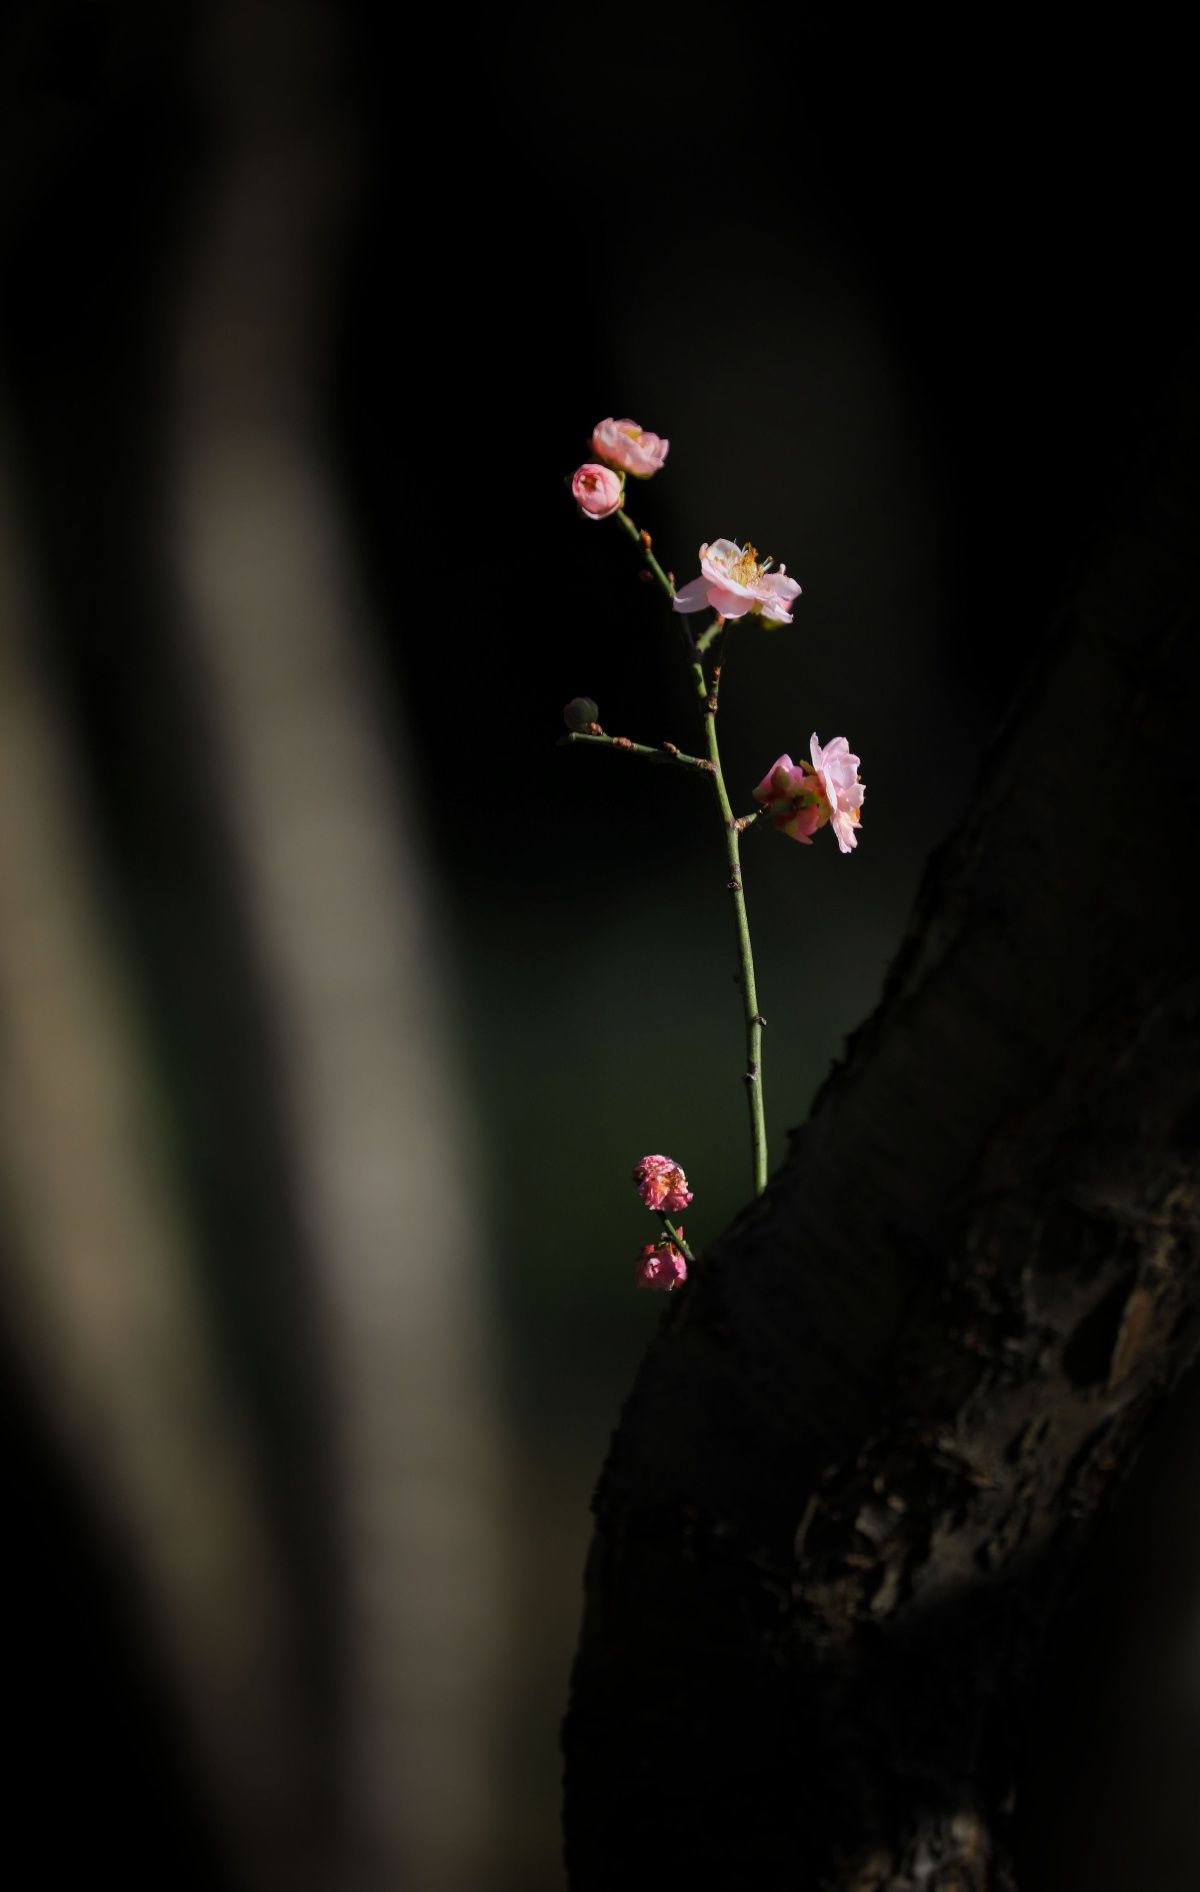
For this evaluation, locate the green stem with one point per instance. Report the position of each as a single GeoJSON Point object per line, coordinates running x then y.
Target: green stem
{"type": "Point", "coordinates": [643, 544]}
{"type": "Point", "coordinates": [711, 631]}
{"type": "Point", "coordinates": [676, 1235]}
{"type": "Point", "coordinates": [667, 754]}
{"type": "Point", "coordinates": [752, 1076]}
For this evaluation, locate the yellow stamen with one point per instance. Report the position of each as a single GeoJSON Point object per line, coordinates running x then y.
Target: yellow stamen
{"type": "Point", "coordinates": [746, 569]}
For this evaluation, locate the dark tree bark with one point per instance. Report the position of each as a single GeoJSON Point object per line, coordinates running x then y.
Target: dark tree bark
{"type": "Point", "coordinates": [864, 1454]}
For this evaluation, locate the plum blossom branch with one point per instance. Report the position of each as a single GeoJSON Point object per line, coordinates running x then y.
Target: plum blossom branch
{"type": "Point", "coordinates": [798, 798]}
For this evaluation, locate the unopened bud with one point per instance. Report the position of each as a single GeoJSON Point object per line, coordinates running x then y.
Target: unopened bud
{"type": "Point", "coordinates": [596, 490]}
{"type": "Point", "coordinates": [580, 713]}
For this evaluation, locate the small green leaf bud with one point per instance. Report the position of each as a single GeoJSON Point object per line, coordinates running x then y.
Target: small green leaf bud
{"type": "Point", "coordinates": [581, 713]}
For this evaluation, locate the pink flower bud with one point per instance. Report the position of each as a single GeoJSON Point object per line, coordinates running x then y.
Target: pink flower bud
{"type": "Point", "coordinates": [623, 444]}
{"type": "Point", "coordinates": [660, 1265]}
{"type": "Point", "coordinates": [596, 490]}
{"type": "Point", "coordinates": [662, 1185]}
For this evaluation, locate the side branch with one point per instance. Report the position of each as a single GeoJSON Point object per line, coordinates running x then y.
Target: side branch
{"type": "Point", "coordinates": [668, 753]}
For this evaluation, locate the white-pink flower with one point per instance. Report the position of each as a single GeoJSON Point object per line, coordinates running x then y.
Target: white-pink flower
{"type": "Point", "coordinates": [735, 581]}
{"type": "Point", "coordinates": [660, 1265]}
{"type": "Point", "coordinates": [596, 490]}
{"type": "Point", "coordinates": [625, 445]}
{"type": "Point", "coordinates": [806, 798]}
{"type": "Point", "coordinates": [837, 772]}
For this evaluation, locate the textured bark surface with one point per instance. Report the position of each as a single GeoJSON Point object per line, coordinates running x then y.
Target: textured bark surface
{"type": "Point", "coordinates": [863, 1455]}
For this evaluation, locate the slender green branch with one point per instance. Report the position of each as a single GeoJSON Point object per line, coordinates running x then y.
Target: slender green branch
{"type": "Point", "coordinates": [643, 542]}
{"type": "Point", "coordinates": [668, 753]}
{"type": "Point", "coordinates": [754, 1020]}
{"type": "Point", "coordinates": [676, 1235]}
{"type": "Point", "coordinates": [696, 667]}
{"type": "Point", "coordinates": [696, 648]}
{"type": "Point", "coordinates": [642, 539]}
{"type": "Point", "coordinates": [710, 634]}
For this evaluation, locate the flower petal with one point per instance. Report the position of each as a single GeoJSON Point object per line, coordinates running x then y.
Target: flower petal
{"type": "Point", "coordinates": [729, 601]}
{"type": "Point", "coordinates": [777, 592]}
{"type": "Point", "coordinates": [844, 828]}
{"type": "Point", "coordinates": [693, 596]}
{"type": "Point", "coordinates": [766, 790]}
{"type": "Point", "coordinates": [800, 824]}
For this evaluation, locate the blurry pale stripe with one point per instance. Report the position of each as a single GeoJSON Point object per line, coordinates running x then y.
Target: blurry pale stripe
{"type": "Point", "coordinates": [334, 883]}
{"type": "Point", "coordinates": [97, 1290]}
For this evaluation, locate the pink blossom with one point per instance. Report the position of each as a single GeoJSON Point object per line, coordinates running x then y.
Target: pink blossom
{"type": "Point", "coordinates": [662, 1185]}
{"type": "Point", "coordinates": [660, 1265]}
{"type": "Point", "coordinates": [734, 580]}
{"type": "Point", "coordinates": [623, 444]}
{"type": "Point", "coordinates": [596, 490]}
{"type": "Point", "coordinates": [807, 798]}
{"type": "Point", "coordinates": [837, 771]}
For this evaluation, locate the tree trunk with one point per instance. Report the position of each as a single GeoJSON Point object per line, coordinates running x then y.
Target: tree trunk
{"type": "Point", "coordinates": [864, 1453]}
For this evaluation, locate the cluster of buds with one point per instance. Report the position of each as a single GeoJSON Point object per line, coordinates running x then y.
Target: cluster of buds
{"type": "Point", "coordinates": [621, 448]}
{"type": "Point", "coordinates": [663, 1187]}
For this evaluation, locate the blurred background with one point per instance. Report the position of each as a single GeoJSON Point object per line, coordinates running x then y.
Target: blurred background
{"type": "Point", "coordinates": [337, 1000]}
